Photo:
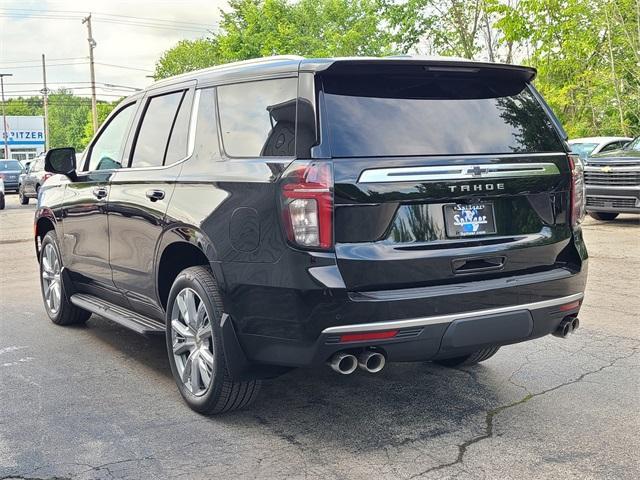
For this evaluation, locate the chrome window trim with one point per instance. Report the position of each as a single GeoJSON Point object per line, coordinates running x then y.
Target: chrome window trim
{"type": "Point", "coordinates": [478, 171]}
{"type": "Point", "coordinates": [193, 121]}
{"type": "Point", "coordinates": [421, 322]}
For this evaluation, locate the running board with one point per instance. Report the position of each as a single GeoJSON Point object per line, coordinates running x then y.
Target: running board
{"type": "Point", "coordinates": [120, 315]}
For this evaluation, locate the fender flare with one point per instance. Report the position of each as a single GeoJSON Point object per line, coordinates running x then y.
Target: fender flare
{"type": "Point", "coordinates": [184, 233]}
{"type": "Point", "coordinates": [46, 213]}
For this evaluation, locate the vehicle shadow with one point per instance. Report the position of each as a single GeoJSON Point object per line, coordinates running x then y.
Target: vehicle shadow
{"type": "Point", "coordinates": [405, 403]}
{"type": "Point", "coordinates": [149, 351]}
{"type": "Point", "coordinates": [623, 221]}
{"type": "Point", "coordinates": [362, 412]}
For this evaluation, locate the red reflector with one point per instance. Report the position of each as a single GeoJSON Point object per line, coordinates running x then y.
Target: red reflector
{"type": "Point", "coordinates": [570, 306]}
{"type": "Point", "coordinates": [359, 337]}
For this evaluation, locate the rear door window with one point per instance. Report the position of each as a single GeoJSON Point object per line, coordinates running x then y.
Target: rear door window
{"type": "Point", "coordinates": [152, 141]}
{"type": "Point", "coordinates": [390, 114]}
{"type": "Point", "coordinates": [258, 119]}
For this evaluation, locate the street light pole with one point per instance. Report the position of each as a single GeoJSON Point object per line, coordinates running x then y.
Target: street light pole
{"type": "Point", "coordinates": [5, 137]}
{"type": "Point", "coordinates": [45, 101]}
{"type": "Point", "coordinates": [92, 45]}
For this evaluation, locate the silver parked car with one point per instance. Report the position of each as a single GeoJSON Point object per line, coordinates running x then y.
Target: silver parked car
{"type": "Point", "coordinates": [587, 146]}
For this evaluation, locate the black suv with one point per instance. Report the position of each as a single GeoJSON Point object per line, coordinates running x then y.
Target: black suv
{"type": "Point", "coordinates": [291, 212]}
{"type": "Point", "coordinates": [613, 182]}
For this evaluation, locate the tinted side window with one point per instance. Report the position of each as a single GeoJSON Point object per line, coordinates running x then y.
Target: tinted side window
{"type": "Point", "coordinates": [179, 138]}
{"type": "Point", "coordinates": [258, 118]}
{"type": "Point", "coordinates": [153, 136]}
{"type": "Point", "coordinates": [106, 152]}
{"type": "Point", "coordinates": [611, 146]}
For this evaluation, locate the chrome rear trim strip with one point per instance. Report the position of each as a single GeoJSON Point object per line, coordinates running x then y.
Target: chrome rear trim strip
{"type": "Point", "coordinates": [421, 322]}
{"type": "Point", "coordinates": [457, 172]}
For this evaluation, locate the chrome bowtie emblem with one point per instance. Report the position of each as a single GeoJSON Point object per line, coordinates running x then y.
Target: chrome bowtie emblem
{"type": "Point", "coordinates": [476, 171]}
{"type": "Point", "coordinates": [606, 169]}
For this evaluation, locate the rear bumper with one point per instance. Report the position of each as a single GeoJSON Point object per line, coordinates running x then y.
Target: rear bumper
{"type": "Point", "coordinates": [434, 322]}
{"type": "Point", "coordinates": [613, 199]}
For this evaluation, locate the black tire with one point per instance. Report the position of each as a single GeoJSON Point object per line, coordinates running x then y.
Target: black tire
{"type": "Point", "coordinates": [24, 200]}
{"type": "Point", "coordinates": [66, 313]}
{"type": "Point", "coordinates": [467, 360]}
{"type": "Point", "coordinates": [223, 394]}
{"type": "Point", "coordinates": [604, 216]}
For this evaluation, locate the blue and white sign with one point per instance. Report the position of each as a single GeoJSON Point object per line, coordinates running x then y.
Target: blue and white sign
{"type": "Point", "coordinates": [23, 131]}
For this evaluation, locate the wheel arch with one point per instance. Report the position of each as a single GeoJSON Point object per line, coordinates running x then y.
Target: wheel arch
{"type": "Point", "coordinates": [44, 222]}
{"type": "Point", "coordinates": [179, 248]}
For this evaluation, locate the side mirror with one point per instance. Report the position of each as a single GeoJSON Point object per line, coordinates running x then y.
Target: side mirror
{"type": "Point", "coordinates": [61, 160]}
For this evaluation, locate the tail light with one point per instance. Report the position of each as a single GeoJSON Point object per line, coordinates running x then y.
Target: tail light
{"type": "Point", "coordinates": [46, 176]}
{"type": "Point", "coordinates": [307, 204]}
{"type": "Point", "coordinates": [578, 194]}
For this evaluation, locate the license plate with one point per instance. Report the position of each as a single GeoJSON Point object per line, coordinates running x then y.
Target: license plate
{"type": "Point", "coordinates": [467, 220]}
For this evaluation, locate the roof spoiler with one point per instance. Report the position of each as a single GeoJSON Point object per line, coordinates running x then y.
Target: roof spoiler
{"type": "Point", "coordinates": [418, 64]}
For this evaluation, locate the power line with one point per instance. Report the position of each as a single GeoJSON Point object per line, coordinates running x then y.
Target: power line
{"type": "Point", "coordinates": [53, 92]}
{"type": "Point", "coordinates": [53, 65]}
{"type": "Point", "coordinates": [73, 83]}
{"type": "Point", "coordinates": [159, 20]}
{"type": "Point", "coordinates": [51, 60]}
{"type": "Point", "coordinates": [123, 66]}
{"type": "Point", "coordinates": [140, 22]}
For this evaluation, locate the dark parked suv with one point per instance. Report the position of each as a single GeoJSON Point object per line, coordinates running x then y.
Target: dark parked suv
{"type": "Point", "coordinates": [31, 181]}
{"type": "Point", "coordinates": [613, 182]}
{"type": "Point", "coordinates": [291, 212]}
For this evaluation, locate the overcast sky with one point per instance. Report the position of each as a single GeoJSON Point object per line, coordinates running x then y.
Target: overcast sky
{"type": "Point", "coordinates": [131, 34]}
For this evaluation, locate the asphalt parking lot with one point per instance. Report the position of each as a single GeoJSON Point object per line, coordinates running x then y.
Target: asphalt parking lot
{"type": "Point", "coordinates": [98, 401]}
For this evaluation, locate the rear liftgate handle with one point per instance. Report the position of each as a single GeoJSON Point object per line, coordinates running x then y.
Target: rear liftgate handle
{"type": "Point", "coordinates": [473, 265]}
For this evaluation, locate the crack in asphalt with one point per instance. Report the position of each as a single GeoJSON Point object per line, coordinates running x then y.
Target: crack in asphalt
{"type": "Point", "coordinates": [491, 414]}
{"type": "Point", "coordinates": [20, 477]}
{"type": "Point", "coordinates": [91, 468]}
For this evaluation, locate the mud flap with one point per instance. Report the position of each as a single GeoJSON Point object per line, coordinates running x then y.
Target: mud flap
{"type": "Point", "coordinates": [238, 366]}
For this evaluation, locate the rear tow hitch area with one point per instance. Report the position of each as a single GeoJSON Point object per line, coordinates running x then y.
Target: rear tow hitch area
{"type": "Point", "coordinates": [567, 326]}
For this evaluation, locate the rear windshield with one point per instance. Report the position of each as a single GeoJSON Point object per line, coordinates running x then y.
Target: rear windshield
{"type": "Point", "coordinates": [387, 115]}
{"type": "Point", "coordinates": [8, 165]}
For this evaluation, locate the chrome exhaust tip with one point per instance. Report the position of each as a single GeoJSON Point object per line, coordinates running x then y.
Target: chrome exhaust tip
{"type": "Point", "coordinates": [575, 324]}
{"type": "Point", "coordinates": [344, 363]}
{"type": "Point", "coordinates": [371, 362]}
{"type": "Point", "coordinates": [566, 327]}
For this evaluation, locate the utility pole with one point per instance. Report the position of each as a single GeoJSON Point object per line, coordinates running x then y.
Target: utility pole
{"type": "Point", "coordinates": [45, 101]}
{"type": "Point", "coordinates": [92, 45]}
{"type": "Point", "coordinates": [5, 137]}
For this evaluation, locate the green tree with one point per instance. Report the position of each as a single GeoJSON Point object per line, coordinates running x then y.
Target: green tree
{"type": "Point", "coordinates": [27, 106]}
{"type": "Point", "coordinates": [257, 28]}
{"type": "Point", "coordinates": [587, 56]}
{"type": "Point", "coordinates": [186, 56]}
{"type": "Point", "coordinates": [587, 52]}
{"type": "Point", "coordinates": [104, 109]}
{"type": "Point", "coordinates": [67, 118]}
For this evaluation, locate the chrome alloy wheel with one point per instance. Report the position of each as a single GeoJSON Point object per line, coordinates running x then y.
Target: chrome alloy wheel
{"type": "Point", "coordinates": [51, 286]}
{"type": "Point", "coordinates": [192, 342]}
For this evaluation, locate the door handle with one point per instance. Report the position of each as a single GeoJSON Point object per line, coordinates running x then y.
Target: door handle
{"type": "Point", "coordinates": [155, 195]}
{"type": "Point", "coordinates": [100, 192]}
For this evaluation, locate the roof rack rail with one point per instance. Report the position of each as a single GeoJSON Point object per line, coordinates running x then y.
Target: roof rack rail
{"type": "Point", "coordinates": [224, 66]}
